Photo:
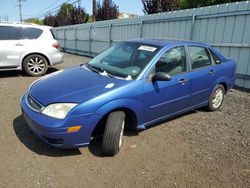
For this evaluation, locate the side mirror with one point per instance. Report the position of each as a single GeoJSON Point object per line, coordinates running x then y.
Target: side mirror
{"type": "Point", "coordinates": [161, 76]}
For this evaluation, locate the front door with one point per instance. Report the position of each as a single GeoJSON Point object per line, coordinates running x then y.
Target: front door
{"type": "Point", "coordinates": [11, 47]}
{"type": "Point", "coordinates": [165, 98]}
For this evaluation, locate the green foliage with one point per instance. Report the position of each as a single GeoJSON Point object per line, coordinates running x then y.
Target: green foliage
{"type": "Point", "coordinates": [34, 20]}
{"type": "Point", "coordinates": [67, 15]}
{"type": "Point", "coordinates": [157, 6]}
{"type": "Point", "coordinates": [107, 10]}
{"type": "Point", "coordinates": [185, 4]}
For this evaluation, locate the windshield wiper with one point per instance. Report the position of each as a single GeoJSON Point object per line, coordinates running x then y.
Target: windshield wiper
{"type": "Point", "coordinates": [104, 72]}
{"type": "Point", "coordinates": [94, 69]}
{"type": "Point", "coordinates": [107, 73]}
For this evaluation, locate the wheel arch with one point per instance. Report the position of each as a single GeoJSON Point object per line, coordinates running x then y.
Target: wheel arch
{"type": "Point", "coordinates": [222, 81]}
{"type": "Point", "coordinates": [132, 119]}
{"type": "Point", "coordinates": [224, 84]}
{"type": "Point", "coordinates": [34, 53]}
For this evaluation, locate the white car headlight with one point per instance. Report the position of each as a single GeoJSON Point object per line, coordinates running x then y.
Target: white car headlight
{"type": "Point", "coordinates": [58, 110]}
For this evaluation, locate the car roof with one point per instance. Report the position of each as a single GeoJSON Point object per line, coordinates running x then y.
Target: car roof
{"type": "Point", "coordinates": [24, 24]}
{"type": "Point", "coordinates": [167, 42]}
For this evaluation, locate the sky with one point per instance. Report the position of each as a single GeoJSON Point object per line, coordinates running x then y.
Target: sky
{"type": "Point", "coordinates": [37, 8]}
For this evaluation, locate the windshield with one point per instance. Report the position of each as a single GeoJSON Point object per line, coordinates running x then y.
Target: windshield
{"type": "Point", "coordinates": [125, 60]}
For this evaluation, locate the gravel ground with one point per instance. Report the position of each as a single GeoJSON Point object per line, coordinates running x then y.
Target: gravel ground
{"type": "Point", "coordinates": [197, 149]}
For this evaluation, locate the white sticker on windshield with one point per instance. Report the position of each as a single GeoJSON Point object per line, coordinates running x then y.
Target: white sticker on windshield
{"type": "Point", "coordinates": [147, 48]}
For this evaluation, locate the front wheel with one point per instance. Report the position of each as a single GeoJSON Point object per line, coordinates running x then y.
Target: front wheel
{"type": "Point", "coordinates": [112, 138]}
{"type": "Point", "coordinates": [216, 98]}
{"type": "Point", "coordinates": [35, 65]}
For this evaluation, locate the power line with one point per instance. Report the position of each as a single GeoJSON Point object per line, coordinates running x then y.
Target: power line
{"type": "Point", "coordinates": [52, 10]}
{"type": "Point", "coordinates": [34, 14]}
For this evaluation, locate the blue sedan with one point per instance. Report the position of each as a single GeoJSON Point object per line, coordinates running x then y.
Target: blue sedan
{"type": "Point", "coordinates": [133, 84]}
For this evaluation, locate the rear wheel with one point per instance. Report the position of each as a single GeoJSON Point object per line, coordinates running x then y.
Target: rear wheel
{"type": "Point", "coordinates": [216, 98]}
{"type": "Point", "coordinates": [112, 138]}
{"type": "Point", "coordinates": [35, 65]}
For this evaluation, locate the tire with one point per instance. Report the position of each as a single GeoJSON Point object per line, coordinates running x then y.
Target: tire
{"type": "Point", "coordinates": [113, 133]}
{"type": "Point", "coordinates": [35, 65]}
{"type": "Point", "coordinates": [215, 103]}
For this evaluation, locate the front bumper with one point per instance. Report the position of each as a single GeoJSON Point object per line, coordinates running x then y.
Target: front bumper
{"type": "Point", "coordinates": [54, 131]}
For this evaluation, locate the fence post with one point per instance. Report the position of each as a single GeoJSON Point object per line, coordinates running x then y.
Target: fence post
{"type": "Point", "coordinates": [192, 27]}
{"type": "Point", "coordinates": [141, 28]}
{"type": "Point", "coordinates": [76, 40]}
{"type": "Point", "coordinates": [90, 40]}
{"type": "Point", "coordinates": [110, 35]}
{"type": "Point", "coordinates": [64, 36]}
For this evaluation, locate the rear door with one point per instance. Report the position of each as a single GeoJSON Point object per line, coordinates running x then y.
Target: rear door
{"type": "Point", "coordinates": [203, 74]}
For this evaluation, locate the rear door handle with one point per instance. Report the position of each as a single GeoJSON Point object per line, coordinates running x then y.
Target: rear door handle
{"type": "Point", "coordinates": [183, 81]}
{"type": "Point", "coordinates": [211, 72]}
{"type": "Point", "coordinates": [19, 44]}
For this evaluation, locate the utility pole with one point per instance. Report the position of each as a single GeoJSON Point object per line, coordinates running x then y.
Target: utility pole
{"type": "Point", "coordinates": [20, 9]}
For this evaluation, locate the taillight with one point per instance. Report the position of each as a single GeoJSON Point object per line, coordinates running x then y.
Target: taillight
{"type": "Point", "coordinates": [56, 45]}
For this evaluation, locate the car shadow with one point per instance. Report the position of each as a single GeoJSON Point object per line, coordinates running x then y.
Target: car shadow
{"type": "Point", "coordinates": [18, 73]}
{"type": "Point", "coordinates": [32, 142]}
{"type": "Point", "coordinates": [95, 146]}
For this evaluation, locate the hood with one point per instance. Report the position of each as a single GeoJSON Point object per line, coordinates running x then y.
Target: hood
{"type": "Point", "coordinates": [75, 85]}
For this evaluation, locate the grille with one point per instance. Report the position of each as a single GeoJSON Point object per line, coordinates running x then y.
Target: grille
{"type": "Point", "coordinates": [55, 141]}
{"type": "Point", "coordinates": [34, 104]}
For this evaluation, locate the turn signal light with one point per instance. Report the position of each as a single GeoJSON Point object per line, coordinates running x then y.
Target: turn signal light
{"type": "Point", "coordinates": [74, 129]}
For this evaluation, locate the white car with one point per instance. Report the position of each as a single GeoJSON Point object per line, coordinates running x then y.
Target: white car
{"type": "Point", "coordinates": [28, 47]}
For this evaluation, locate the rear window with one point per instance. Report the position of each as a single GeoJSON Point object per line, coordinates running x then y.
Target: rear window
{"type": "Point", "coordinates": [7, 33]}
{"type": "Point", "coordinates": [199, 57]}
{"type": "Point", "coordinates": [30, 33]}
{"type": "Point", "coordinates": [51, 31]}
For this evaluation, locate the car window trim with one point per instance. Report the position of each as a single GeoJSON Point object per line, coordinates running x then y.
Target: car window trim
{"type": "Point", "coordinates": [212, 57]}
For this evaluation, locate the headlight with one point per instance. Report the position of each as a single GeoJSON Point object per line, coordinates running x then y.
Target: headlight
{"type": "Point", "coordinates": [58, 110]}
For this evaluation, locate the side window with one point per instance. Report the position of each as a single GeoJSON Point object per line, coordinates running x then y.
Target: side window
{"type": "Point", "coordinates": [31, 33]}
{"type": "Point", "coordinates": [199, 57]}
{"type": "Point", "coordinates": [215, 57]}
{"type": "Point", "coordinates": [173, 61]}
{"type": "Point", "coordinates": [7, 33]}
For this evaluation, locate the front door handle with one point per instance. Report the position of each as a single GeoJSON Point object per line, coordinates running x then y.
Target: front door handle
{"type": "Point", "coordinates": [19, 44]}
{"type": "Point", "coordinates": [183, 81]}
{"type": "Point", "coordinates": [211, 72]}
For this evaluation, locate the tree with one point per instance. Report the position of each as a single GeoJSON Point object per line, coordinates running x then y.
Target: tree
{"type": "Point", "coordinates": [78, 15]}
{"type": "Point", "coordinates": [50, 20]}
{"type": "Point", "coordinates": [184, 4]}
{"type": "Point", "coordinates": [64, 15]}
{"type": "Point", "coordinates": [107, 10]}
{"type": "Point", "coordinates": [34, 20]}
{"type": "Point", "coordinates": [67, 15]}
{"type": "Point", "coordinates": [157, 6]}
{"type": "Point", "coordinates": [94, 11]}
